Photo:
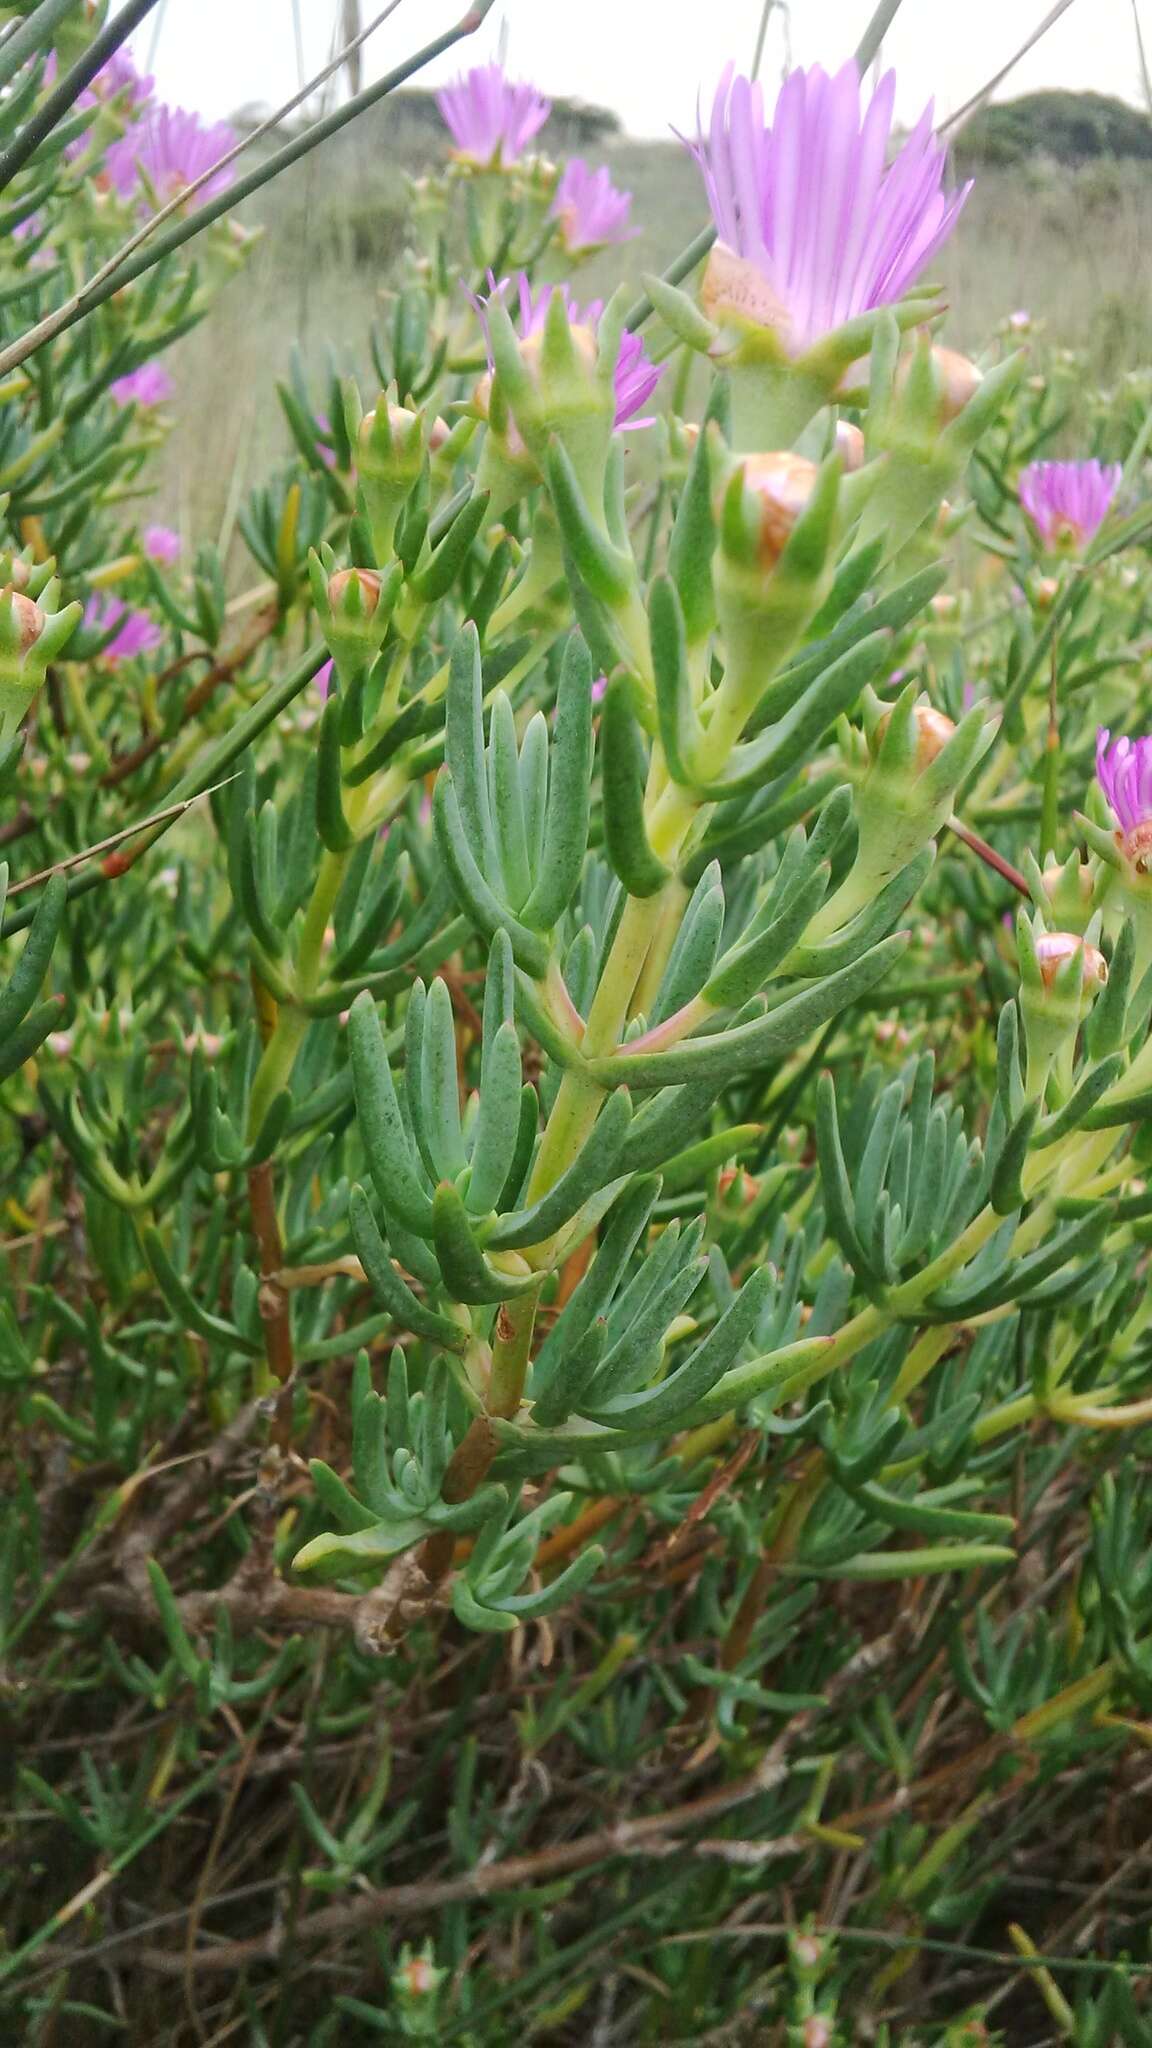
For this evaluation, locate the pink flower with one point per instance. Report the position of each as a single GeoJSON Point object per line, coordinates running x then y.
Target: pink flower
{"type": "Point", "coordinates": [161, 544]}
{"type": "Point", "coordinates": [324, 448]}
{"type": "Point", "coordinates": [590, 210]}
{"type": "Point", "coordinates": [169, 149]}
{"type": "Point", "coordinates": [1069, 501]}
{"type": "Point", "coordinates": [133, 632]}
{"type": "Point", "coordinates": [490, 119]}
{"type": "Point", "coordinates": [1124, 772]}
{"type": "Point", "coordinates": [636, 376]}
{"type": "Point", "coordinates": [323, 680]}
{"type": "Point", "coordinates": [149, 385]}
{"type": "Point", "coordinates": [119, 79]}
{"type": "Point", "coordinates": [810, 203]}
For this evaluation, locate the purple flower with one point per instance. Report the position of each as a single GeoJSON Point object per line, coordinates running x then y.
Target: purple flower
{"type": "Point", "coordinates": [161, 544]}
{"type": "Point", "coordinates": [490, 119]}
{"type": "Point", "coordinates": [1068, 501]}
{"type": "Point", "coordinates": [323, 680]}
{"type": "Point", "coordinates": [1124, 772]}
{"type": "Point", "coordinates": [810, 205]}
{"type": "Point", "coordinates": [590, 210]}
{"type": "Point", "coordinates": [149, 385]}
{"type": "Point", "coordinates": [636, 376]}
{"type": "Point", "coordinates": [133, 632]}
{"type": "Point", "coordinates": [168, 149]}
{"type": "Point", "coordinates": [119, 78]}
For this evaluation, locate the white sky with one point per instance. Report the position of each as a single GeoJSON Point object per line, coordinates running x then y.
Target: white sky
{"type": "Point", "coordinates": [646, 59]}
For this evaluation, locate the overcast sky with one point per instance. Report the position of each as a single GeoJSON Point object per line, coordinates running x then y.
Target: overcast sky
{"type": "Point", "coordinates": [646, 59]}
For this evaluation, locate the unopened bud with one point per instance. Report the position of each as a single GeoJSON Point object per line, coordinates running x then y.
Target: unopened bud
{"type": "Point", "coordinates": [419, 1977]}
{"type": "Point", "coordinates": [849, 446]}
{"type": "Point", "coordinates": [207, 1042]}
{"type": "Point", "coordinates": [28, 617]}
{"type": "Point", "coordinates": [817, 2032]}
{"type": "Point", "coordinates": [783, 484]}
{"type": "Point", "coordinates": [1054, 948]}
{"type": "Point", "coordinates": [934, 729]}
{"type": "Point", "coordinates": [402, 421]}
{"type": "Point", "coordinates": [1047, 591]}
{"type": "Point", "coordinates": [945, 605]}
{"type": "Point", "coordinates": [367, 580]}
{"type": "Point", "coordinates": [19, 573]}
{"type": "Point", "coordinates": [959, 380]}
{"type": "Point", "coordinates": [1059, 881]}
{"type": "Point", "coordinates": [808, 1950]}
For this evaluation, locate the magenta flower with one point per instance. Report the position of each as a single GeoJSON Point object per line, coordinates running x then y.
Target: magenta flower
{"type": "Point", "coordinates": [149, 385]}
{"type": "Point", "coordinates": [490, 119]}
{"type": "Point", "coordinates": [133, 632]}
{"type": "Point", "coordinates": [119, 79]}
{"type": "Point", "coordinates": [636, 376]}
{"type": "Point", "coordinates": [166, 151]}
{"type": "Point", "coordinates": [323, 680]}
{"type": "Point", "coordinates": [590, 210]}
{"type": "Point", "coordinates": [1068, 502]}
{"type": "Point", "coordinates": [809, 203]}
{"type": "Point", "coordinates": [1124, 772]}
{"type": "Point", "coordinates": [161, 544]}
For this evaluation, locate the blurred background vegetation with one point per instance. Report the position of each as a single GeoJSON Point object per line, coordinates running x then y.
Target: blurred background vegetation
{"type": "Point", "coordinates": [1059, 223]}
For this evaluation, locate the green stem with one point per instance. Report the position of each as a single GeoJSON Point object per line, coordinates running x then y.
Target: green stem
{"type": "Point", "coordinates": [279, 1055]}
{"type": "Point", "coordinates": [510, 1353]}
{"type": "Point", "coordinates": [578, 1102]}
{"type": "Point", "coordinates": [771, 406]}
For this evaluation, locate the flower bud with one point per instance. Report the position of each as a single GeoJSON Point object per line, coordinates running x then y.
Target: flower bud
{"type": "Point", "coordinates": [933, 730]}
{"type": "Point", "coordinates": [817, 2031]}
{"type": "Point", "coordinates": [419, 1977]}
{"type": "Point", "coordinates": [1070, 890]}
{"type": "Point", "coordinates": [28, 617]}
{"type": "Point", "coordinates": [781, 485]}
{"type": "Point", "coordinates": [957, 380]}
{"type": "Point", "coordinates": [391, 446]}
{"type": "Point", "coordinates": [912, 765]}
{"type": "Point", "coordinates": [1054, 949]}
{"type": "Point", "coordinates": [849, 446]}
{"type": "Point", "coordinates": [355, 609]}
{"type": "Point", "coordinates": [367, 582]}
{"type": "Point", "coordinates": [32, 634]}
{"type": "Point", "coordinates": [1061, 973]}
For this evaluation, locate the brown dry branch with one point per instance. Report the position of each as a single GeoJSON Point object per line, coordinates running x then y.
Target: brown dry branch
{"type": "Point", "coordinates": [223, 671]}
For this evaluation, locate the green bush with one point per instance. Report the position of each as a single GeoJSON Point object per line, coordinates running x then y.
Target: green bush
{"type": "Point", "coordinates": [574, 1034]}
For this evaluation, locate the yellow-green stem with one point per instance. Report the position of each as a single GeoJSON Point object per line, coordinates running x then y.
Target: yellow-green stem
{"type": "Point", "coordinates": [577, 1104]}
